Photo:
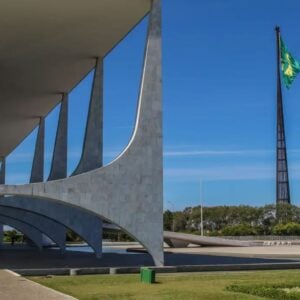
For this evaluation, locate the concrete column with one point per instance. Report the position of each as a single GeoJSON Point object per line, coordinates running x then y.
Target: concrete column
{"type": "Point", "coordinates": [17, 216]}
{"type": "Point", "coordinates": [37, 171]}
{"type": "Point", "coordinates": [59, 159]}
{"type": "Point", "coordinates": [54, 230]}
{"type": "Point", "coordinates": [31, 232]}
{"type": "Point", "coordinates": [92, 151]}
{"type": "Point", "coordinates": [1, 234]}
{"type": "Point", "coordinates": [2, 181]}
{"type": "Point", "coordinates": [2, 170]}
{"type": "Point", "coordinates": [88, 226]}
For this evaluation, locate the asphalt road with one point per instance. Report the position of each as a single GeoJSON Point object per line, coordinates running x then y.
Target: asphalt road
{"type": "Point", "coordinates": [34, 259]}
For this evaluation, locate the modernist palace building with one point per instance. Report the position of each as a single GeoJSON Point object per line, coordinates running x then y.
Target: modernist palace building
{"type": "Point", "coordinates": [47, 47]}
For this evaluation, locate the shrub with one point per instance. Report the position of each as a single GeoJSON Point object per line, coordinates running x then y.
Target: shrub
{"type": "Point", "coordinates": [239, 230]}
{"type": "Point", "coordinates": [286, 229]}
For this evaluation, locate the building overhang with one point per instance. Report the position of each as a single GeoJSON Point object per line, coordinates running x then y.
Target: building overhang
{"type": "Point", "coordinates": [47, 47]}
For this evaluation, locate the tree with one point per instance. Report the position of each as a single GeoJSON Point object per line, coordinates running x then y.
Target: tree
{"type": "Point", "coordinates": [12, 236]}
{"type": "Point", "coordinates": [72, 236]}
{"type": "Point", "coordinates": [217, 218]}
{"type": "Point", "coordinates": [168, 220]}
{"type": "Point", "coordinates": [287, 213]}
{"type": "Point", "coordinates": [180, 221]}
{"type": "Point", "coordinates": [239, 230]}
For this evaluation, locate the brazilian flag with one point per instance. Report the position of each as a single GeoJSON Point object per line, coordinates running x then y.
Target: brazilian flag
{"type": "Point", "coordinates": [289, 65]}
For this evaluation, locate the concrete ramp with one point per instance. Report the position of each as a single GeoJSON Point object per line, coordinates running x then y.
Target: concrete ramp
{"type": "Point", "coordinates": [181, 240]}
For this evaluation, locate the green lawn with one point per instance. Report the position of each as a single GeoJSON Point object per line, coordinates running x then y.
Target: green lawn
{"type": "Point", "coordinates": [169, 286]}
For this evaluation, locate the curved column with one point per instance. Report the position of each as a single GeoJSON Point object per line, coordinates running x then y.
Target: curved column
{"type": "Point", "coordinates": [37, 171]}
{"type": "Point", "coordinates": [32, 233]}
{"type": "Point", "coordinates": [55, 231]}
{"type": "Point", "coordinates": [2, 170]}
{"type": "Point", "coordinates": [37, 175]}
{"type": "Point", "coordinates": [92, 152]}
{"type": "Point", "coordinates": [59, 160]}
{"type": "Point", "coordinates": [86, 225]}
{"type": "Point", "coordinates": [1, 233]}
{"type": "Point", "coordinates": [128, 191]}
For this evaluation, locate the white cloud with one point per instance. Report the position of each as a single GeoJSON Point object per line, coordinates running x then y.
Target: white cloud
{"type": "Point", "coordinates": [229, 172]}
{"type": "Point", "coordinates": [238, 172]}
{"type": "Point", "coordinates": [190, 151]}
{"type": "Point", "coordinates": [217, 152]}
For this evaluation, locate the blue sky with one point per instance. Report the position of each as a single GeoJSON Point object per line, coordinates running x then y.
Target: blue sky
{"type": "Point", "coordinates": [219, 90]}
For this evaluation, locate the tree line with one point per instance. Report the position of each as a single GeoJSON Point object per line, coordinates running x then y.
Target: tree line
{"type": "Point", "coordinates": [281, 219]}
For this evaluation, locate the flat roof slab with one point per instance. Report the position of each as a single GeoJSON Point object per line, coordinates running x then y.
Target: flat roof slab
{"type": "Point", "coordinates": [47, 47]}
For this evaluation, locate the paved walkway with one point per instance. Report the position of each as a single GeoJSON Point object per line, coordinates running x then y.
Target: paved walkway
{"type": "Point", "coordinates": [19, 288]}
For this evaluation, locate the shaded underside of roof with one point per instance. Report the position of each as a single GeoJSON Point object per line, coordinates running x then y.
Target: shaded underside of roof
{"type": "Point", "coordinates": [47, 47]}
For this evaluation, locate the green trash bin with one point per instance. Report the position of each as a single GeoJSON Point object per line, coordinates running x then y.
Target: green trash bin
{"type": "Point", "coordinates": [147, 275]}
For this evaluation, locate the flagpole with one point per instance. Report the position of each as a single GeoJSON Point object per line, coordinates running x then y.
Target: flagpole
{"type": "Point", "coordinates": [282, 178]}
{"type": "Point", "coordinates": [279, 104]}
{"type": "Point", "coordinates": [279, 91]}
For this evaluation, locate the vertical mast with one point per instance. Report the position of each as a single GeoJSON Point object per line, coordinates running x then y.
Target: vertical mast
{"type": "Point", "coordinates": [282, 176]}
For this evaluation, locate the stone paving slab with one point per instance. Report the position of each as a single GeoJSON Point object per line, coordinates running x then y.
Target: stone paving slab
{"type": "Point", "coordinates": [16, 287]}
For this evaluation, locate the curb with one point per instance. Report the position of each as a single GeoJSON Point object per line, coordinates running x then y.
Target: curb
{"type": "Point", "coordinates": [167, 269]}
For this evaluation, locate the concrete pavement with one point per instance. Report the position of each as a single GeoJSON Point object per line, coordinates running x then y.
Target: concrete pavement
{"type": "Point", "coordinates": [274, 252]}
{"type": "Point", "coordinates": [16, 287]}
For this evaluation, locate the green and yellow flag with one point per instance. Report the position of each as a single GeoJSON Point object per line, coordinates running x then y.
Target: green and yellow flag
{"type": "Point", "coordinates": [289, 65]}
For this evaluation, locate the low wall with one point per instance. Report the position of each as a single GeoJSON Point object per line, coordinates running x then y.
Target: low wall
{"type": "Point", "coordinates": [166, 269]}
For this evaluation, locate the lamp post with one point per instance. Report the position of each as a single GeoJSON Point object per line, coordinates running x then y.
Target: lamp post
{"type": "Point", "coordinates": [173, 220]}
{"type": "Point", "coordinates": [201, 207]}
